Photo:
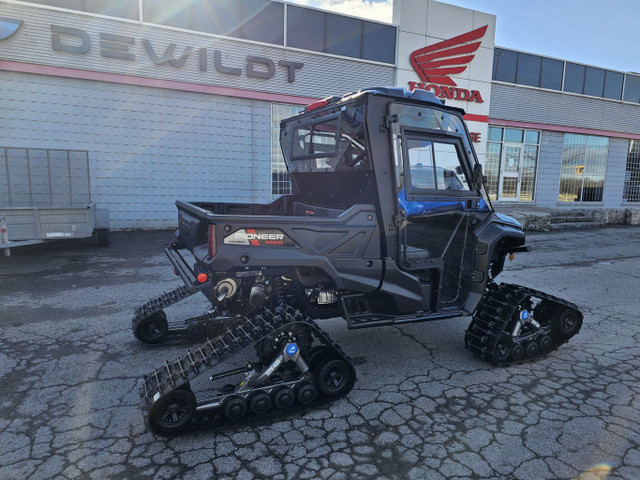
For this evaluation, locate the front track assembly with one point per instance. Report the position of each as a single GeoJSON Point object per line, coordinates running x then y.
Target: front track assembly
{"type": "Point", "coordinates": [289, 373]}
{"type": "Point", "coordinates": [515, 324]}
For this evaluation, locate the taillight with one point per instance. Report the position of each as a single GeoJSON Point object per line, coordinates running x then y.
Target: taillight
{"type": "Point", "coordinates": [212, 240]}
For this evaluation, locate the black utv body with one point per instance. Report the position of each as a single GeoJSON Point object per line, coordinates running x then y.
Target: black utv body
{"type": "Point", "coordinates": [388, 222]}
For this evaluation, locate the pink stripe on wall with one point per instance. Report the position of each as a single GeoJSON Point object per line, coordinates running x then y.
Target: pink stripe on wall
{"type": "Point", "coordinates": [472, 117]}
{"type": "Point", "coordinates": [561, 128]}
{"type": "Point", "coordinates": [22, 67]}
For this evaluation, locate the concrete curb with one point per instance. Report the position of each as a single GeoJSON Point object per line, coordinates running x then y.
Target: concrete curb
{"type": "Point", "coordinates": [544, 221]}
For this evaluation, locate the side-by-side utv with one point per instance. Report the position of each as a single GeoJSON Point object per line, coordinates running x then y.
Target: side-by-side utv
{"type": "Point", "coordinates": [388, 223]}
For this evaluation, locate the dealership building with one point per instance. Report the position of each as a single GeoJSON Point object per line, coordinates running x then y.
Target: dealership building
{"type": "Point", "coordinates": [182, 99]}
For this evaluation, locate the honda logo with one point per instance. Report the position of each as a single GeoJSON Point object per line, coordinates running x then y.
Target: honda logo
{"type": "Point", "coordinates": [434, 63]}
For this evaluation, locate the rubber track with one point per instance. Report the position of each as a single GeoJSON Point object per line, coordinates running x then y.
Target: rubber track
{"type": "Point", "coordinates": [159, 303]}
{"type": "Point", "coordinates": [177, 373]}
{"type": "Point", "coordinates": [494, 314]}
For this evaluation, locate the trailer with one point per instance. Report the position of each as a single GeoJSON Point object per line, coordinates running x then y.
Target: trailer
{"type": "Point", "coordinates": [45, 195]}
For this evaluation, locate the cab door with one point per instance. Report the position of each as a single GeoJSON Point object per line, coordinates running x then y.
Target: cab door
{"type": "Point", "coordinates": [438, 209]}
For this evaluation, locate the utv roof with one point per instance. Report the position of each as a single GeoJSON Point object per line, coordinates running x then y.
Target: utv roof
{"type": "Point", "coordinates": [417, 95]}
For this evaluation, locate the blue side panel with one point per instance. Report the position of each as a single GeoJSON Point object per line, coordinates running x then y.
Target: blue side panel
{"type": "Point", "coordinates": [421, 208]}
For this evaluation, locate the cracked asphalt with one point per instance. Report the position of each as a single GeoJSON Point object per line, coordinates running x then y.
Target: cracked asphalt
{"type": "Point", "coordinates": [423, 406]}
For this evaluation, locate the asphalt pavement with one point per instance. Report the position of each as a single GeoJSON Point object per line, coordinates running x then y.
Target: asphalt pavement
{"type": "Point", "coordinates": [423, 406]}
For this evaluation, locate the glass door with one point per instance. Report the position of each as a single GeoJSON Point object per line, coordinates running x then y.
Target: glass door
{"type": "Point", "coordinates": [509, 187]}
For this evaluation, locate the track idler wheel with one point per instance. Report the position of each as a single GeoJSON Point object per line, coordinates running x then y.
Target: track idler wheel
{"type": "Point", "coordinates": [235, 408]}
{"type": "Point", "coordinates": [173, 412]}
{"type": "Point", "coordinates": [543, 311]}
{"type": "Point", "coordinates": [517, 353]}
{"type": "Point", "coordinates": [545, 343]}
{"type": "Point", "coordinates": [307, 393]}
{"type": "Point", "coordinates": [154, 328]}
{"type": "Point", "coordinates": [532, 349]}
{"type": "Point", "coordinates": [284, 398]}
{"type": "Point", "coordinates": [334, 376]}
{"type": "Point", "coordinates": [503, 349]}
{"type": "Point", "coordinates": [260, 403]}
{"type": "Point", "coordinates": [567, 322]}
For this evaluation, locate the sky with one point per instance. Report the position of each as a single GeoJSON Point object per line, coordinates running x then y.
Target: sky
{"type": "Point", "coordinates": [596, 32]}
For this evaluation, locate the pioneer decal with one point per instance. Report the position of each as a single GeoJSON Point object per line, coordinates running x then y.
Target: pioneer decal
{"type": "Point", "coordinates": [259, 237]}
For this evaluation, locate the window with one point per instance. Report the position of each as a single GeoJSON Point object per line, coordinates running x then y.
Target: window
{"type": "Point", "coordinates": [340, 35]}
{"type": "Point", "coordinates": [511, 163]}
{"type": "Point", "coordinates": [318, 142]}
{"type": "Point", "coordinates": [536, 71]}
{"type": "Point", "coordinates": [378, 42]}
{"type": "Point", "coordinates": [344, 36]}
{"type": "Point", "coordinates": [492, 168]}
{"type": "Point", "coordinates": [584, 164]}
{"type": "Point", "coordinates": [551, 76]}
{"type": "Point", "coordinates": [334, 142]}
{"type": "Point", "coordinates": [114, 8]}
{"type": "Point", "coordinates": [594, 82]}
{"type": "Point", "coordinates": [513, 135]}
{"type": "Point", "coordinates": [305, 28]}
{"type": "Point", "coordinates": [434, 165]}
{"type": "Point", "coordinates": [504, 65]}
{"type": "Point", "coordinates": [263, 21]}
{"type": "Point", "coordinates": [632, 89]}
{"type": "Point", "coordinates": [259, 20]}
{"type": "Point", "coordinates": [280, 182]}
{"type": "Point", "coordinates": [574, 78]}
{"type": "Point", "coordinates": [495, 134]}
{"type": "Point", "coordinates": [613, 85]}
{"type": "Point", "coordinates": [221, 17]}
{"type": "Point", "coordinates": [631, 192]}
{"type": "Point", "coordinates": [174, 13]}
{"type": "Point", "coordinates": [528, 71]}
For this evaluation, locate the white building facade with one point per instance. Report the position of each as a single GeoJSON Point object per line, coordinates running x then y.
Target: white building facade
{"type": "Point", "coordinates": [182, 99]}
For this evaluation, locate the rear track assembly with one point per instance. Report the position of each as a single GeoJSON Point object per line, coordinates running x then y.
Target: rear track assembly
{"type": "Point", "coordinates": [150, 323]}
{"type": "Point", "coordinates": [514, 324]}
{"type": "Point", "coordinates": [293, 376]}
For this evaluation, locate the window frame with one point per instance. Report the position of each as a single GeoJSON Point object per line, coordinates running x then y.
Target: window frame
{"type": "Point", "coordinates": [586, 155]}
{"type": "Point", "coordinates": [435, 194]}
{"type": "Point", "coordinates": [315, 121]}
{"type": "Point", "coordinates": [523, 145]}
{"type": "Point", "coordinates": [633, 161]}
{"type": "Point", "coordinates": [281, 184]}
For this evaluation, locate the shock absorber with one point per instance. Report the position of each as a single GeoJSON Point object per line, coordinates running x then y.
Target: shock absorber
{"type": "Point", "coordinates": [279, 287]}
